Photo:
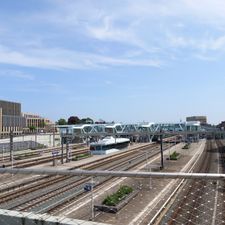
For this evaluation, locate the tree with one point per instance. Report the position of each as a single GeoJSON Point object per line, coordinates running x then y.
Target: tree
{"type": "Point", "coordinates": [32, 128]}
{"type": "Point", "coordinates": [87, 121]}
{"type": "Point", "coordinates": [74, 120]}
{"type": "Point", "coordinates": [61, 121]}
{"type": "Point", "coordinates": [42, 124]}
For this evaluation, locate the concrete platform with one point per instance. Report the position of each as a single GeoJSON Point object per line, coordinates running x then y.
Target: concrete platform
{"type": "Point", "coordinates": [71, 164]}
{"type": "Point", "coordinates": [24, 218]}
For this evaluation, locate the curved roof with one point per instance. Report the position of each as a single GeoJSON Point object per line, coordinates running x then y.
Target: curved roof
{"type": "Point", "coordinates": [110, 140]}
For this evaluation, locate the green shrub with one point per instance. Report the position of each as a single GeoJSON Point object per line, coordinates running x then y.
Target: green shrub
{"type": "Point", "coordinates": [187, 146]}
{"type": "Point", "coordinates": [174, 155]}
{"type": "Point", "coordinates": [115, 198]}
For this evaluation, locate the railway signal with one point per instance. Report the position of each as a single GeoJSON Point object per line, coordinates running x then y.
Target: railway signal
{"type": "Point", "coordinates": [54, 154]}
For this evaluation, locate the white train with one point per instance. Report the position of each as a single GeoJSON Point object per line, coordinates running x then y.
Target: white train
{"type": "Point", "coordinates": [108, 144]}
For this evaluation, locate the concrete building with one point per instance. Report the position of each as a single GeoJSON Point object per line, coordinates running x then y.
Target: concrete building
{"type": "Point", "coordinates": [11, 118]}
{"type": "Point", "coordinates": [201, 119]}
{"type": "Point", "coordinates": [37, 122]}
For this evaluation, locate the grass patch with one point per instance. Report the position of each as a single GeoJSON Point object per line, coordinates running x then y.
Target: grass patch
{"type": "Point", "coordinates": [81, 156]}
{"type": "Point", "coordinates": [186, 146]}
{"type": "Point", "coordinates": [115, 198]}
{"type": "Point", "coordinates": [27, 155]}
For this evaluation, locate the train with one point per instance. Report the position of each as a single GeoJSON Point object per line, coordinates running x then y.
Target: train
{"type": "Point", "coordinates": [109, 143]}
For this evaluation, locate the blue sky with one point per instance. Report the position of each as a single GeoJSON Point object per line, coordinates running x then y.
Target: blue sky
{"type": "Point", "coordinates": [127, 61]}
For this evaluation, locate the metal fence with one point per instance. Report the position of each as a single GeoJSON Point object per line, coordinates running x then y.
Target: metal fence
{"type": "Point", "coordinates": [53, 196]}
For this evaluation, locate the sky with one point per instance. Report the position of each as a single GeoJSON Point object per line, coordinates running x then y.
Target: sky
{"type": "Point", "coordinates": [125, 61]}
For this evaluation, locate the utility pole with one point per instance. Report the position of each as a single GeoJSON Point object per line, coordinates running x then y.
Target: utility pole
{"type": "Point", "coordinates": [11, 145]}
{"type": "Point", "coordinates": [35, 138]}
{"type": "Point", "coordinates": [161, 149]}
{"type": "Point", "coordinates": [67, 146]}
{"type": "Point", "coordinates": [67, 150]}
{"type": "Point", "coordinates": [87, 141]}
{"type": "Point", "coordinates": [54, 136]}
{"type": "Point", "coordinates": [62, 153]}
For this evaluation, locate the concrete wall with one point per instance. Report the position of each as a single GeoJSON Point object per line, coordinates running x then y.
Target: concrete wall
{"type": "Point", "coordinates": [30, 141]}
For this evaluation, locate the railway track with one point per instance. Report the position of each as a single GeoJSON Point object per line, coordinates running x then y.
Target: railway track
{"type": "Point", "coordinates": [199, 201]}
{"type": "Point", "coordinates": [37, 160]}
{"type": "Point", "coordinates": [42, 195]}
{"type": "Point", "coordinates": [89, 165]}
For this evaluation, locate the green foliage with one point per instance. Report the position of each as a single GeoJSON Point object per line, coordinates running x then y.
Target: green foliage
{"type": "Point", "coordinates": [86, 121]}
{"type": "Point", "coordinates": [74, 120]}
{"type": "Point", "coordinates": [61, 121]}
{"type": "Point", "coordinates": [174, 155]}
{"type": "Point", "coordinates": [115, 198]}
{"type": "Point", "coordinates": [32, 128]}
{"type": "Point", "coordinates": [187, 146]}
{"type": "Point", "coordinates": [81, 156]}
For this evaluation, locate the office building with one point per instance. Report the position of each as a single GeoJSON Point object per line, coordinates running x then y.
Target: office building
{"type": "Point", "coordinates": [11, 118]}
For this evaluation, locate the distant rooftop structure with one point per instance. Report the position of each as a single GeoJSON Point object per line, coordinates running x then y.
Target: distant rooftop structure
{"type": "Point", "coordinates": [201, 119]}
{"type": "Point", "coordinates": [221, 125]}
{"type": "Point", "coordinates": [100, 121]}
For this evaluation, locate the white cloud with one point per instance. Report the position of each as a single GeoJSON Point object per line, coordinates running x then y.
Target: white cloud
{"type": "Point", "coordinates": [204, 43]}
{"type": "Point", "coordinates": [141, 30]}
{"type": "Point", "coordinates": [108, 32]}
{"type": "Point", "coordinates": [56, 58]}
{"type": "Point", "coordinates": [205, 57]}
{"type": "Point", "coordinates": [16, 74]}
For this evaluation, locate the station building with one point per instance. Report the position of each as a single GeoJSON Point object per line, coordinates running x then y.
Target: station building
{"type": "Point", "coordinates": [11, 118]}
